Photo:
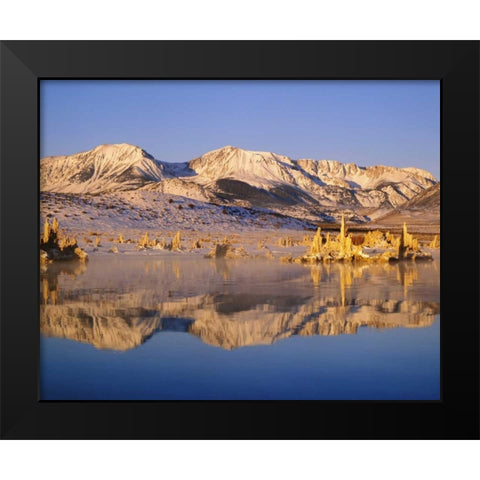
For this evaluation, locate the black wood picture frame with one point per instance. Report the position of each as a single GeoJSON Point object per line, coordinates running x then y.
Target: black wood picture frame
{"type": "Point", "coordinates": [454, 63]}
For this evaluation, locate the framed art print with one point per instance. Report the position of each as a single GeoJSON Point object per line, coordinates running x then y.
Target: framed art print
{"type": "Point", "coordinates": [240, 239]}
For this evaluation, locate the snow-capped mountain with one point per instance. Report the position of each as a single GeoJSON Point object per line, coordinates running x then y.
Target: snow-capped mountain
{"type": "Point", "coordinates": [325, 182]}
{"type": "Point", "coordinates": [231, 175]}
{"type": "Point", "coordinates": [103, 169]}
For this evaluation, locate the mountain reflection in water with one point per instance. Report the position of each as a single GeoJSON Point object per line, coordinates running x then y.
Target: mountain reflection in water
{"type": "Point", "coordinates": [119, 303]}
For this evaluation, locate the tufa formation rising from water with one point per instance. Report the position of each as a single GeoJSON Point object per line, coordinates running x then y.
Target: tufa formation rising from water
{"type": "Point", "coordinates": [54, 246]}
{"type": "Point", "coordinates": [225, 249]}
{"type": "Point", "coordinates": [374, 247]}
{"type": "Point", "coordinates": [145, 243]}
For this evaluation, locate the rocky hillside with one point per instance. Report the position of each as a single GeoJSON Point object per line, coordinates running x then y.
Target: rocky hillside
{"type": "Point", "coordinates": [429, 198]}
{"type": "Point", "coordinates": [422, 212]}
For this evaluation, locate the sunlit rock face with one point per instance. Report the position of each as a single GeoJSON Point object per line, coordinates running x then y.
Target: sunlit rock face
{"type": "Point", "coordinates": [318, 300]}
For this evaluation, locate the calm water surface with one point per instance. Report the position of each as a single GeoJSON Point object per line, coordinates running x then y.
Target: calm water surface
{"type": "Point", "coordinates": [177, 327]}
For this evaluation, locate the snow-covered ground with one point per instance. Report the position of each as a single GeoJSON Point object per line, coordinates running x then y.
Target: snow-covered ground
{"type": "Point", "coordinates": [144, 210]}
{"type": "Point", "coordinates": [131, 214]}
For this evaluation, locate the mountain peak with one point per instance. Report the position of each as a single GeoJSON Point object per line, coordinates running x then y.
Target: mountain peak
{"type": "Point", "coordinates": [229, 147]}
{"type": "Point", "coordinates": [120, 149]}
{"type": "Point", "coordinates": [258, 169]}
{"type": "Point", "coordinates": [105, 168]}
{"type": "Point", "coordinates": [238, 150]}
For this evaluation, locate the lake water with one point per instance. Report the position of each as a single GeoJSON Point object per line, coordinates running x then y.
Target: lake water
{"type": "Point", "coordinates": [174, 327]}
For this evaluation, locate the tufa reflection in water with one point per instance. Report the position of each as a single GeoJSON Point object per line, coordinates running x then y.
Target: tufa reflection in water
{"type": "Point", "coordinates": [120, 304]}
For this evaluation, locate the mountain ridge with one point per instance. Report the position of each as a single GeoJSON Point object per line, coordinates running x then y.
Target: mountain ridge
{"type": "Point", "coordinates": [234, 176]}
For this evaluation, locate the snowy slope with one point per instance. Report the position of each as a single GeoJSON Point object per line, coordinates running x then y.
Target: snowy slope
{"type": "Point", "coordinates": [332, 172]}
{"type": "Point", "coordinates": [429, 198]}
{"type": "Point", "coordinates": [259, 169]}
{"type": "Point", "coordinates": [103, 169]}
{"type": "Point", "coordinates": [143, 210]}
{"type": "Point", "coordinates": [326, 182]}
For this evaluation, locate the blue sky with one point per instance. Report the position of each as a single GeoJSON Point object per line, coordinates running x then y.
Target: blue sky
{"type": "Point", "coordinates": [364, 122]}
